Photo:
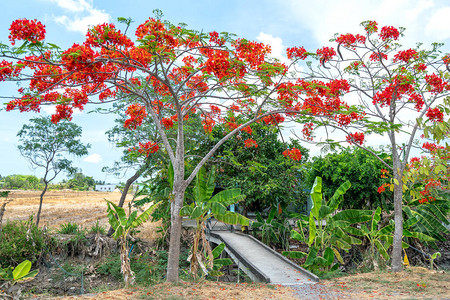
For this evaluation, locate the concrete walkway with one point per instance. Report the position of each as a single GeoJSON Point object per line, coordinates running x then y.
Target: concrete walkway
{"type": "Point", "coordinates": [260, 262]}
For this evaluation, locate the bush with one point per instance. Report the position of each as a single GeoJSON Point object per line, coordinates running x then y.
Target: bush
{"type": "Point", "coordinates": [21, 241]}
{"type": "Point", "coordinates": [148, 269]}
{"type": "Point", "coordinates": [97, 228]}
{"type": "Point", "coordinates": [69, 228]}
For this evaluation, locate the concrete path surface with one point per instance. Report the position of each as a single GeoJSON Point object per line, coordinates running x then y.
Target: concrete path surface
{"type": "Point", "coordinates": [260, 262]}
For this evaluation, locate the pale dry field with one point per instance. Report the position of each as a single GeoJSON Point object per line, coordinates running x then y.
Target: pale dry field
{"type": "Point", "coordinates": [84, 208]}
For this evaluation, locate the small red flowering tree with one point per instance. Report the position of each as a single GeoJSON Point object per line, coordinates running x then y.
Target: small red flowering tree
{"type": "Point", "coordinates": [398, 92]}
{"type": "Point", "coordinates": [169, 73]}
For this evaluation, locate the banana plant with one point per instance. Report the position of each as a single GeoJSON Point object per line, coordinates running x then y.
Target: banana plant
{"type": "Point", "coordinates": [429, 218]}
{"type": "Point", "coordinates": [381, 239]}
{"type": "Point", "coordinates": [272, 230]}
{"type": "Point", "coordinates": [327, 230]}
{"type": "Point", "coordinates": [122, 225]}
{"type": "Point", "coordinates": [218, 262]}
{"type": "Point", "coordinates": [206, 206]}
{"type": "Point", "coordinates": [11, 275]}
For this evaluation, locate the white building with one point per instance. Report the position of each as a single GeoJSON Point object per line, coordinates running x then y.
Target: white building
{"type": "Point", "coordinates": [105, 187]}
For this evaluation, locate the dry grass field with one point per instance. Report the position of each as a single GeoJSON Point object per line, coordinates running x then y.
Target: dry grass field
{"type": "Point", "coordinates": [84, 208]}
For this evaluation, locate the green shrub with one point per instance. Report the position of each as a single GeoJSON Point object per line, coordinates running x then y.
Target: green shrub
{"type": "Point", "coordinates": [97, 228]}
{"type": "Point", "coordinates": [69, 228]}
{"type": "Point", "coordinates": [148, 269]}
{"type": "Point", "coordinates": [110, 266]}
{"type": "Point", "coordinates": [21, 241]}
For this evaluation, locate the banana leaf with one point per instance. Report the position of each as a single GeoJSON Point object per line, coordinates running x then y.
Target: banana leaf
{"type": "Point", "coordinates": [337, 197]}
{"type": "Point", "coordinates": [353, 216]}
{"type": "Point", "coordinates": [294, 254]}
{"type": "Point", "coordinates": [316, 196]}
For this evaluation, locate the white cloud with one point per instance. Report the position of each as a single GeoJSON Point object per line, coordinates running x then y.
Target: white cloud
{"type": "Point", "coordinates": [439, 24]}
{"type": "Point", "coordinates": [425, 20]}
{"type": "Point", "coordinates": [72, 5]}
{"type": "Point", "coordinates": [82, 15]}
{"type": "Point", "coordinates": [93, 158]}
{"type": "Point", "coordinates": [276, 44]}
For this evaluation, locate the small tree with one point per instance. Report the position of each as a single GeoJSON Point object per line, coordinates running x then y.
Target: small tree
{"type": "Point", "coordinates": [45, 145]}
{"type": "Point", "coordinates": [399, 93]}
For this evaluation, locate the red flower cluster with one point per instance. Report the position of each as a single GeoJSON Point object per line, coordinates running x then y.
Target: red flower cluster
{"type": "Point", "coordinates": [345, 120]}
{"type": "Point", "coordinates": [435, 115]}
{"type": "Point", "coordinates": [214, 38]}
{"type": "Point", "coordinates": [383, 187]}
{"type": "Point", "coordinates": [357, 137]}
{"type": "Point", "coordinates": [296, 52]}
{"type": "Point", "coordinates": [370, 26]}
{"type": "Point", "coordinates": [399, 86]}
{"type": "Point", "coordinates": [420, 67]}
{"type": "Point", "coordinates": [208, 124]}
{"type": "Point", "coordinates": [446, 59]}
{"type": "Point", "coordinates": [137, 113]}
{"type": "Point", "coordinates": [414, 159]}
{"type": "Point", "coordinates": [418, 100]}
{"type": "Point", "coordinates": [378, 56]}
{"type": "Point", "coordinates": [349, 39]}
{"type": "Point", "coordinates": [406, 55]}
{"type": "Point", "coordinates": [251, 52]}
{"type": "Point", "coordinates": [247, 129]}
{"type": "Point", "coordinates": [234, 107]}
{"type": "Point", "coordinates": [436, 84]}
{"type": "Point", "coordinates": [384, 173]}
{"type": "Point", "coordinates": [167, 123]}
{"type": "Point", "coordinates": [107, 35]}
{"type": "Point", "coordinates": [147, 148]}
{"type": "Point", "coordinates": [78, 57]}
{"type": "Point", "coordinates": [27, 30]}
{"type": "Point", "coordinates": [307, 130]}
{"type": "Point", "coordinates": [273, 119]}
{"type": "Point", "coordinates": [8, 70]}
{"type": "Point", "coordinates": [218, 63]}
{"type": "Point", "coordinates": [431, 146]}
{"type": "Point", "coordinates": [163, 40]}
{"type": "Point", "coordinates": [389, 32]}
{"type": "Point", "coordinates": [325, 54]}
{"type": "Point", "coordinates": [293, 154]}
{"type": "Point", "coordinates": [426, 193]}
{"type": "Point", "coordinates": [62, 112]}
{"type": "Point", "coordinates": [355, 65]}
{"type": "Point", "coordinates": [249, 143]}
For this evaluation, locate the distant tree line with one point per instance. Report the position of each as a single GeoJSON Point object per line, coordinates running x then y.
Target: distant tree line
{"type": "Point", "coordinates": [77, 181]}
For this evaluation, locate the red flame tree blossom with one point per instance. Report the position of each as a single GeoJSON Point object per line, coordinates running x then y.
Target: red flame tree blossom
{"type": "Point", "coordinates": [167, 73]}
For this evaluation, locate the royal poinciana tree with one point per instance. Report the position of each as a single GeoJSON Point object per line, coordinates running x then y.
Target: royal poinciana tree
{"type": "Point", "coordinates": [399, 91]}
{"type": "Point", "coordinates": [169, 73]}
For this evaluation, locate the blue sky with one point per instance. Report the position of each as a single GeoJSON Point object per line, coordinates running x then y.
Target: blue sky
{"type": "Point", "coordinates": [283, 23]}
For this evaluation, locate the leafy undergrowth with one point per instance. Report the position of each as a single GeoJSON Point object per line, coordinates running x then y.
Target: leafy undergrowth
{"type": "Point", "coordinates": [413, 283]}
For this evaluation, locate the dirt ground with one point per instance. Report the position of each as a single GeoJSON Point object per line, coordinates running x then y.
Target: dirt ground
{"type": "Point", "coordinates": [413, 283]}
{"type": "Point", "coordinates": [86, 208]}
{"type": "Point", "coordinates": [82, 207]}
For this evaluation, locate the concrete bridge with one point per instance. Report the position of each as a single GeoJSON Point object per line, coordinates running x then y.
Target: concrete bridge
{"type": "Point", "coordinates": [257, 260]}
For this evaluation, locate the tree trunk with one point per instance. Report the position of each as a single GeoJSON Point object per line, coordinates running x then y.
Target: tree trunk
{"type": "Point", "coordinates": [398, 221]}
{"type": "Point", "coordinates": [173, 261]}
{"type": "Point", "coordinates": [128, 274]}
{"type": "Point", "coordinates": [38, 216]}
{"type": "Point", "coordinates": [125, 192]}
